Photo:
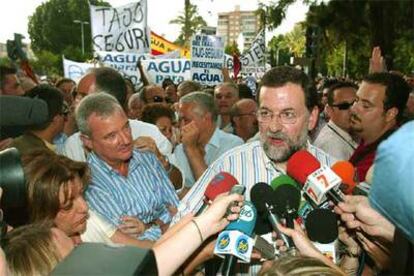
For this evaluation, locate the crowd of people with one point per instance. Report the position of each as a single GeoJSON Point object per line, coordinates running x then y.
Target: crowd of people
{"type": "Point", "coordinates": [108, 164]}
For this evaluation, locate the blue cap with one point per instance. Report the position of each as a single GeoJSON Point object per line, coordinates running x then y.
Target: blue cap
{"type": "Point", "coordinates": [392, 191]}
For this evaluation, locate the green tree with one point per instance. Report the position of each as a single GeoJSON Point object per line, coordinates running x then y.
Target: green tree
{"type": "Point", "coordinates": [232, 49]}
{"type": "Point", "coordinates": [53, 33]}
{"type": "Point", "coordinates": [190, 23]}
{"type": "Point", "coordinates": [295, 41]}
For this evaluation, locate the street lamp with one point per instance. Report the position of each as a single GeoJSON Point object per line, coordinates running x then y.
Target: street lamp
{"type": "Point", "coordinates": [82, 36]}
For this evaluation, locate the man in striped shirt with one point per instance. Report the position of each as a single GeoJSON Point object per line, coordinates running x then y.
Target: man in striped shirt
{"type": "Point", "coordinates": [287, 111]}
{"type": "Point", "coordinates": [125, 182]}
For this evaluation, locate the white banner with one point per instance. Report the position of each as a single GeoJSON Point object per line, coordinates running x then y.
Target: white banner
{"type": "Point", "coordinates": [75, 70]}
{"type": "Point", "coordinates": [122, 29]}
{"type": "Point", "coordinates": [124, 63]}
{"type": "Point", "coordinates": [207, 57]}
{"type": "Point", "coordinates": [157, 70]}
{"type": "Point", "coordinates": [256, 52]}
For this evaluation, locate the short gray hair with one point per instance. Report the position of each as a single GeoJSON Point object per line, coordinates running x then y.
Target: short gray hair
{"type": "Point", "coordinates": [230, 85]}
{"type": "Point", "coordinates": [204, 103]}
{"type": "Point", "coordinates": [102, 104]}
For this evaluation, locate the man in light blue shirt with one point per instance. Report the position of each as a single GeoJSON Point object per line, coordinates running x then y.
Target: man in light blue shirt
{"type": "Point", "coordinates": [125, 182]}
{"type": "Point", "coordinates": [202, 142]}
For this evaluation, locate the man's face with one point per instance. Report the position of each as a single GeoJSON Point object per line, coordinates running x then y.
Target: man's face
{"type": "Point", "coordinates": [171, 92]}
{"type": "Point", "coordinates": [287, 131]}
{"type": "Point", "coordinates": [340, 111]}
{"type": "Point", "coordinates": [73, 212]}
{"type": "Point", "coordinates": [110, 138]}
{"type": "Point", "coordinates": [12, 86]}
{"type": "Point", "coordinates": [368, 114]}
{"type": "Point", "coordinates": [155, 94]}
{"type": "Point", "coordinates": [186, 115]}
{"type": "Point", "coordinates": [86, 86]}
{"type": "Point", "coordinates": [246, 120]}
{"type": "Point", "coordinates": [225, 98]}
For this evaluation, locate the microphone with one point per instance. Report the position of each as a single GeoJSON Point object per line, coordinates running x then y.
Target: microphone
{"type": "Point", "coordinates": [235, 241]}
{"type": "Point", "coordinates": [322, 229]}
{"type": "Point", "coordinates": [262, 197]}
{"type": "Point", "coordinates": [284, 180]}
{"type": "Point", "coordinates": [22, 111]}
{"type": "Point", "coordinates": [221, 183]}
{"type": "Point", "coordinates": [319, 183]}
{"type": "Point", "coordinates": [287, 200]}
{"type": "Point", "coordinates": [346, 171]}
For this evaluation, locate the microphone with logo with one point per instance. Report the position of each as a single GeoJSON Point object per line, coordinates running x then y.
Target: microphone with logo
{"type": "Point", "coordinates": [221, 183]}
{"type": "Point", "coordinates": [322, 229]}
{"type": "Point", "coordinates": [262, 197]}
{"type": "Point", "coordinates": [319, 182]}
{"type": "Point", "coordinates": [235, 242]}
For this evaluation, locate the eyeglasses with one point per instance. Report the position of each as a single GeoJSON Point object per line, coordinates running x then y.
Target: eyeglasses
{"type": "Point", "coordinates": [285, 117]}
{"type": "Point", "coordinates": [343, 106]}
{"type": "Point", "coordinates": [158, 99]}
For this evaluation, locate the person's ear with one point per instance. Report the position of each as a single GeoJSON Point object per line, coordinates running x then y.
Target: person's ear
{"type": "Point", "coordinates": [391, 114]}
{"type": "Point", "coordinates": [313, 118]}
{"type": "Point", "coordinates": [86, 140]}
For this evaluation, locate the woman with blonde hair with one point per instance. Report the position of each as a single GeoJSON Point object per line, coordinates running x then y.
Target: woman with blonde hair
{"type": "Point", "coordinates": [35, 249]}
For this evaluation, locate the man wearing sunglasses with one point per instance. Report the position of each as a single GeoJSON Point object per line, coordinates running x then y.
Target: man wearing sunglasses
{"type": "Point", "coordinates": [334, 137]}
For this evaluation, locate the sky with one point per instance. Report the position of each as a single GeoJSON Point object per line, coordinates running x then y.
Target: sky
{"type": "Point", "coordinates": [158, 19]}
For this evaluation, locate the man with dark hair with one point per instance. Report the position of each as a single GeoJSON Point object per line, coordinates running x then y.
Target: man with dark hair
{"type": "Point", "coordinates": [9, 83]}
{"type": "Point", "coordinates": [153, 94]}
{"type": "Point", "coordinates": [334, 137]}
{"type": "Point", "coordinates": [377, 112]}
{"type": "Point", "coordinates": [287, 111]}
{"type": "Point", "coordinates": [41, 136]}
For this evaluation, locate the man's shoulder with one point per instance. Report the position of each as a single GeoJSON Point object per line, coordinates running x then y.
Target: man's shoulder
{"type": "Point", "coordinates": [140, 128]}
{"type": "Point", "coordinates": [252, 148]}
{"type": "Point", "coordinates": [225, 137]}
{"type": "Point", "coordinates": [323, 157]}
{"type": "Point", "coordinates": [26, 143]}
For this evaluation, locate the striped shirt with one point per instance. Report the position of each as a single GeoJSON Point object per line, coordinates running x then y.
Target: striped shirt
{"type": "Point", "coordinates": [249, 165]}
{"type": "Point", "coordinates": [144, 193]}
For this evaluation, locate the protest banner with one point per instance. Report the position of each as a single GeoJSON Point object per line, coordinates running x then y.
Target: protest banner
{"type": "Point", "coordinates": [157, 70]}
{"type": "Point", "coordinates": [75, 70]}
{"type": "Point", "coordinates": [256, 52]}
{"type": "Point", "coordinates": [124, 63]}
{"type": "Point", "coordinates": [122, 29]}
{"type": "Point", "coordinates": [160, 45]}
{"type": "Point", "coordinates": [207, 58]}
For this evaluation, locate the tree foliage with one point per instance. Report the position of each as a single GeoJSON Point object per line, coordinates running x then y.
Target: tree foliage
{"type": "Point", "coordinates": [190, 23]}
{"type": "Point", "coordinates": [53, 33]}
{"type": "Point", "coordinates": [356, 26]}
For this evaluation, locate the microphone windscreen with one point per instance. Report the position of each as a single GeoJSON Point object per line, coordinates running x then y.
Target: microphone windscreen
{"type": "Point", "coordinates": [284, 180]}
{"type": "Point", "coordinates": [260, 194]}
{"type": "Point", "coordinates": [246, 221]}
{"type": "Point", "coordinates": [301, 164]}
{"type": "Point", "coordinates": [263, 225]}
{"type": "Point", "coordinates": [286, 197]}
{"type": "Point", "coordinates": [221, 183]}
{"type": "Point", "coordinates": [322, 226]}
{"type": "Point", "coordinates": [346, 171]}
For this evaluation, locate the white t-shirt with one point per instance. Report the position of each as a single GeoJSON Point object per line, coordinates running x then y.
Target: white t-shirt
{"type": "Point", "coordinates": [73, 147]}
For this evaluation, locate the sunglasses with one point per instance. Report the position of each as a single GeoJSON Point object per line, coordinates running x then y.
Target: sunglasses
{"type": "Point", "coordinates": [343, 106]}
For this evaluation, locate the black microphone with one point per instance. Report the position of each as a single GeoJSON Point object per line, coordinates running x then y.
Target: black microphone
{"type": "Point", "coordinates": [262, 197]}
{"type": "Point", "coordinates": [287, 200]}
{"type": "Point", "coordinates": [322, 229]}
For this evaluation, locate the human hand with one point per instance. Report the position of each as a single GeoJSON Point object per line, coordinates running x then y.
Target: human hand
{"type": "Point", "coordinates": [132, 226]}
{"type": "Point", "coordinates": [351, 245]}
{"type": "Point", "coordinates": [356, 212]}
{"type": "Point", "coordinates": [146, 143]}
{"type": "Point", "coordinates": [190, 134]}
{"type": "Point", "coordinates": [376, 62]}
{"type": "Point", "coordinates": [380, 256]}
{"type": "Point", "coordinates": [213, 220]}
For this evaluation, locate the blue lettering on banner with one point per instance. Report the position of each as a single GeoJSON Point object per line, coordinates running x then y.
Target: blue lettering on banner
{"type": "Point", "coordinates": [206, 77]}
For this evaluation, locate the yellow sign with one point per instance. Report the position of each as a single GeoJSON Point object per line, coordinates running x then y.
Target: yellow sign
{"type": "Point", "coordinates": [160, 45]}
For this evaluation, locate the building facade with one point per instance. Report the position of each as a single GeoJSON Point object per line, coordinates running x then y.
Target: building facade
{"type": "Point", "coordinates": [231, 24]}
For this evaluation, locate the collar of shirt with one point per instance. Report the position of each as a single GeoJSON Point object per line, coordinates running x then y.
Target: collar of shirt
{"type": "Point", "coordinates": [134, 162]}
{"type": "Point", "coordinates": [343, 133]}
{"type": "Point", "coordinates": [214, 140]}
